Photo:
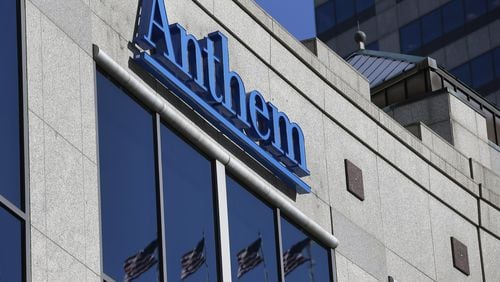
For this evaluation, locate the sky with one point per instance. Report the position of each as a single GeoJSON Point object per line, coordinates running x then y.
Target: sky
{"type": "Point", "coordinates": [295, 15]}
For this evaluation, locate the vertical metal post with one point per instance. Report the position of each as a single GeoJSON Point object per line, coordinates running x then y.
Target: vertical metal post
{"type": "Point", "coordinates": [223, 222]}
{"type": "Point", "coordinates": [279, 245]}
{"type": "Point", "coordinates": [159, 202]}
{"type": "Point", "coordinates": [23, 86]}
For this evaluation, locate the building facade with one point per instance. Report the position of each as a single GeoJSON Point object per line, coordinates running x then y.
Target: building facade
{"type": "Point", "coordinates": [460, 34]}
{"type": "Point", "coordinates": [183, 140]}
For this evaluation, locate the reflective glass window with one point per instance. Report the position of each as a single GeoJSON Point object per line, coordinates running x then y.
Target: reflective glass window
{"type": "Point", "coordinates": [482, 70]}
{"type": "Point", "coordinates": [431, 26]}
{"type": "Point", "coordinates": [325, 16]}
{"type": "Point", "coordinates": [493, 4]}
{"type": "Point", "coordinates": [189, 216]}
{"type": "Point", "coordinates": [410, 37]}
{"type": "Point", "coordinates": [463, 73]}
{"type": "Point", "coordinates": [11, 262]}
{"type": "Point", "coordinates": [303, 258]}
{"type": "Point", "coordinates": [344, 9]}
{"type": "Point", "coordinates": [10, 114]}
{"type": "Point", "coordinates": [128, 184]}
{"type": "Point", "coordinates": [362, 5]}
{"type": "Point", "coordinates": [474, 9]}
{"type": "Point", "coordinates": [373, 46]}
{"type": "Point", "coordinates": [453, 17]}
{"type": "Point", "coordinates": [252, 236]}
{"type": "Point", "coordinates": [497, 62]}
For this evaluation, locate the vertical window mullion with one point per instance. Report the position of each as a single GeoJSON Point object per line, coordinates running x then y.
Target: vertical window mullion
{"type": "Point", "coordinates": [279, 245]}
{"type": "Point", "coordinates": [222, 221]}
{"type": "Point", "coordinates": [333, 266]}
{"type": "Point", "coordinates": [159, 198]}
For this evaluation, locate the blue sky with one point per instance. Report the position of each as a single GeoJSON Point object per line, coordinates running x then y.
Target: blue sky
{"type": "Point", "coordinates": [295, 15]}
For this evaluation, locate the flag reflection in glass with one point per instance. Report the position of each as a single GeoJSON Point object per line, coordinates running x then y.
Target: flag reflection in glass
{"type": "Point", "coordinates": [249, 257]}
{"type": "Point", "coordinates": [193, 260]}
{"type": "Point", "coordinates": [141, 262]}
{"type": "Point", "coordinates": [294, 257]}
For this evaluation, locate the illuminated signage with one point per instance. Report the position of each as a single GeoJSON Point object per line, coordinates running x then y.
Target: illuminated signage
{"type": "Point", "coordinates": [198, 72]}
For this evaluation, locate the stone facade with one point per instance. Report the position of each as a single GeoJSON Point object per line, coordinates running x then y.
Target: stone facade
{"type": "Point", "coordinates": [418, 192]}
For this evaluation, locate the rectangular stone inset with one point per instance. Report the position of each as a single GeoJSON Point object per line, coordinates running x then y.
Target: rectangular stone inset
{"type": "Point", "coordinates": [460, 256]}
{"type": "Point", "coordinates": [354, 180]}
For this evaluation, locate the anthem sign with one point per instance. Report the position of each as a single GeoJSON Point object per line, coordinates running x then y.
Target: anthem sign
{"type": "Point", "coordinates": [198, 72]}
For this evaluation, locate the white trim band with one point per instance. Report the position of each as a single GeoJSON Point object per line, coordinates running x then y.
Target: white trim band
{"type": "Point", "coordinates": [174, 118]}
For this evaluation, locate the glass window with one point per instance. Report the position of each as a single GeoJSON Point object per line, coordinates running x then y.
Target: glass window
{"type": "Point", "coordinates": [345, 10]}
{"type": "Point", "coordinates": [482, 70]}
{"type": "Point", "coordinates": [362, 5]}
{"type": "Point", "coordinates": [410, 37]}
{"type": "Point", "coordinates": [189, 215]}
{"type": "Point", "coordinates": [11, 261]}
{"type": "Point", "coordinates": [431, 26]}
{"type": "Point", "coordinates": [474, 9]}
{"type": "Point", "coordinates": [303, 258]}
{"type": "Point", "coordinates": [325, 16]}
{"type": "Point", "coordinates": [497, 62]}
{"type": "Point", "coordinates": [463, 73]}
{"type": "Point", "coordinates": [252, 236]}
{"type": "Point", "coordinates": [373, 46]}
{"type": "Point", "coordinates": [493, 4]}
{"type": "Point", "coordinates": [10, 115]}
{"type": "Point", "coordinates": [453, 15]}
{"type": "Point", "coordinates": [128, 184]}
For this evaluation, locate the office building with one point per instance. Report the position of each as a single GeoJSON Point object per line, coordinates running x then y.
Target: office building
{"type": "Point", "coordinates": [182, 140]}
{"type": "Point", "coordinates": [462, 35]}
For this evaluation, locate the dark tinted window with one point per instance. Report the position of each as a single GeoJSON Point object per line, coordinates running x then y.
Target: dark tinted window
{"type": "Point", "coordinates": [128, 181]}
{"type": "Point", "coordinates": [474, 9]}
{"type": "Point", "coordinates": [497, 62]}
{"type": "Point", "coordinates": [11, 264]}
{"type": "Point", "coordinates": [189, 217]}
{"type": "Point", "coordinates": [10, 149]}
{"type": "Point", "coordinates": [453, 15]}
{"type": "Point", "coordinates": [362, 5]}
{"type": "Point", "coordinates": [325, 16]}
{"type": "Point", "coordinates": [251, 229]}
{"type": "Point", "coordinates": [494, 4]}
{"type": "Point", "coordinates": [373, 46]}
{"type": "Point", "coordinates": [410, 37]}
{"type": "Point", "coordinates": [303, 258]}
{"type": "Point", "coordinates": [431, 26]}
{"type": "Point", "coordinates": [463, 73]}
{"type": "Point", "coordinates": [344, 9]}
{"type": "Point", "coordinates": [482, 70]}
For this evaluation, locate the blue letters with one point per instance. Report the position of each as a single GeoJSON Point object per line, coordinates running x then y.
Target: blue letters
{"type": "Point", "coordinates": [198, 72]}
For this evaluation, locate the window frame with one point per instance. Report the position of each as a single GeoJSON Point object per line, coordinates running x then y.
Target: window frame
{"type": "Point", "coordinates": [22, 213]}
{"type": "Point", "coordinates": [220, 171]}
